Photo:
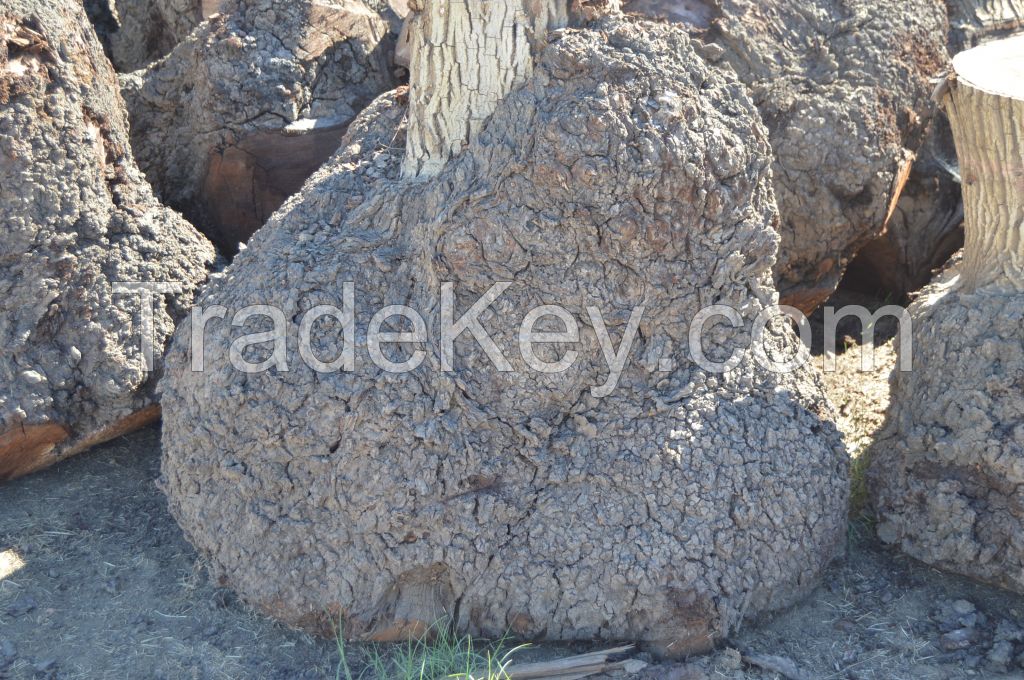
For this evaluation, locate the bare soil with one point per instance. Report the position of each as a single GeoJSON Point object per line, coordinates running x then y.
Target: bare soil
{"type": "Point", "coordinates": [109, 588]}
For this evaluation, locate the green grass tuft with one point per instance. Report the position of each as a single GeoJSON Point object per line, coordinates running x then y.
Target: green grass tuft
{"type": "Point", "coordinates": [439, 655]}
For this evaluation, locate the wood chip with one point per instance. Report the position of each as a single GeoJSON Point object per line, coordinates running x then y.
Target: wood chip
{"type": "Point", "coordinates": [581, 666]}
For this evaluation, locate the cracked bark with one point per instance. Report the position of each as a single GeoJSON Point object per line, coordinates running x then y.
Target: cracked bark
{"type": "Point", "coordinates": [135, 33]}
{"type": "Point", "coordinates": [844, 88]}
{"type": "Point", "coordinates": [948, 468]}
{"type": "Point", "coordinates": [624, 171]}
{"type": "Point", "coordinates": [76, 218]}
{"type": "Point", "coordinates": [240, 114]}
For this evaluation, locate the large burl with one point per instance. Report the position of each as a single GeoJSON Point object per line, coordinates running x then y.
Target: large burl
{"type": "Point", "coordinates": [135, 33]}
{"type": "Point", "coordinates": [615, 170]}
{"type": "Point", "coordinates": [948, 469]}
{"type": "Point", "coordinates": [844, 88]}
{"type": "Point", "coordinates": [76, 219]}
{"type": "Point", "coordinates": [239, 115]}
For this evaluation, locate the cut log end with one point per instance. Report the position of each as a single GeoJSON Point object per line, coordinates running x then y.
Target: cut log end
{"type": "Point", "coordinates": [245, 183]}
{"type": "Point", "coordinates": [996, 67]}
{"type": "Point", "coordinates": [25, 449]}
{"type": "Point", "coordinates": [411, 609]}
{"type": "Point", "coordinates": [119, 428]}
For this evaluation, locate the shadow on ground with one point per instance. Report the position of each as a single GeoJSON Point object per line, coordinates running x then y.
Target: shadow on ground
{"type": "Point", "coordinates": [96, 581]}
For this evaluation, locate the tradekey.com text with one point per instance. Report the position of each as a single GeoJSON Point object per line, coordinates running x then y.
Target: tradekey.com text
{"type": "Point", "coordinates": [546, 339]}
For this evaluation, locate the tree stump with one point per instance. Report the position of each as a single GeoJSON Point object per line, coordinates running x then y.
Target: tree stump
{"type": "Point", "coordinates": [240, 114]}
{"type": "Point", "coordinates": [623, 171]}
{"type": "Point", "coordinates": [844, 88]}
{"type": "Point", "coordinates": [77, 219]}
{"type": "Point", "coordinates": [948, 468]}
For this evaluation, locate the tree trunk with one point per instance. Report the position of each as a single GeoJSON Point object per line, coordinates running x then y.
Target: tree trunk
{"type": "Point", "coordinates": [466, 55]}
{"type": "Point", "coordinates": [590, 182]}
{"type": "Point", "coordinates": [946, 469]}
{"type": "Point", "coordinates": [986, 112]}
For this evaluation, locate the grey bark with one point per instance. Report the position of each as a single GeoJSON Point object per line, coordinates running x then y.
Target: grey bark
{"type": "Point", "coordinates": [236, 118]}
{"type": "Point", "coordinates": [844, 89]}
{"type": "Point", "coordinates": [136, 33]}
{"type": "Point", "coordinates": [625, 171]}
{"type": "Point", "coordinates": [76, 218]}
{"type": "Point", "coordinates": [948, 468]}
{"type": "Point", "coordinates": [975, 21]}
{"type": "Point", "coordinates": [927, 226]}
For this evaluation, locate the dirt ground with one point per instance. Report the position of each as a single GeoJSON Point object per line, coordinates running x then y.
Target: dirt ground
{"type": "Point", "coordinates": [96, 581]}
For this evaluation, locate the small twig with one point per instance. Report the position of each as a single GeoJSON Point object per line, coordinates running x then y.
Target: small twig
{"type": "Point", "coordinates": [787, 668]}
{"type": "Point", "coordinates": [581, 666]}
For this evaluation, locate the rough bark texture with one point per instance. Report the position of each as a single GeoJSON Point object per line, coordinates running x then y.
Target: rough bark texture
{"type": "Point", "coordinates": [465, 57]}
{"type": "Point", "coordinates": [927, 226]}
{"type": "Point", "coordinates": [974, 21]}
{"type": "Point", "coordinates": [76, 217]}
{"type": "Point", "coordinates": [843, 87]}
{"type": "Point", "coordinates": [625, 171]}
{"type": "Point", "coordinates": [135, 33]}
{"type": "Point", "coordinates": [241, 113]}
{"type": "Point", "coordinates": [949, 467]}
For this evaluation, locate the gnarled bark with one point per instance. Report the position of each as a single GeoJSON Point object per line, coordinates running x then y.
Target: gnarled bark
{"type": "Point", "coordinates": [136, 33]}
{"type": "Point", "coordinates": [76, 219]}
{"type": "Point", "coordinates": [235, 119]}
{"type": "Point", "coordinates": [948, 468]}
{"type": "Point", "coordinates": [844, 88]}
{"type": "Point", "coordinates": [624, 171]}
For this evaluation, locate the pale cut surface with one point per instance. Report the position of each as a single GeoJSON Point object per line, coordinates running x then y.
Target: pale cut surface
{"type": "Point", "coordinates": [996, 67]}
